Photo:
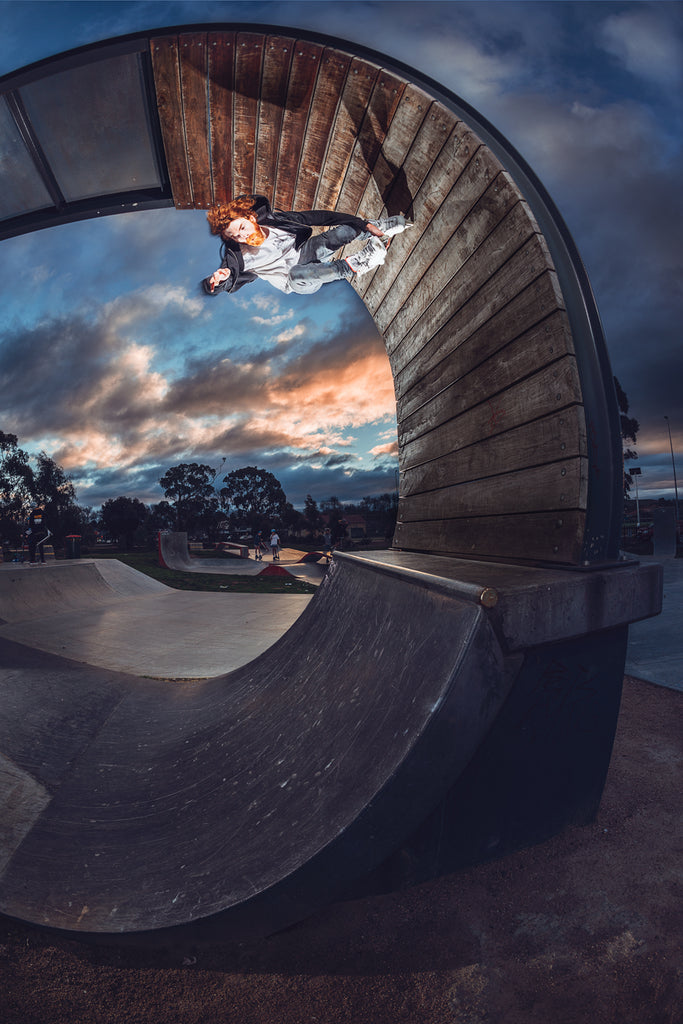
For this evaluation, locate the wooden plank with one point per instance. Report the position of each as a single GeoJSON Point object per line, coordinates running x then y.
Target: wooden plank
{"type": "Point", "coordinates": [556, 437]}
{"type": "Point", "coordinates": [536, 305]}
{"type": "Point", "coordinates": [490, 257]}
{"type": "Point", "coordinates": [380, 112]}
{"type": "Point", "coordinates": [457, 312]}
{"type": "Point", "coordinates": [429, 179]}
{"type": "Point", "coordinates": [193, 72]}
{"type": "Point", "coordinates": [459, 274]}
{"type": "Point", "coordinates": [277, 61]}
{"type": "Point", "coordinates": [434, 431]}
{"type": "Point", "coordinates": [388, 178]}
{"type": "Point", "coordinates": [248, 61]}
{"type": "Point", "coordinates": [166, 68]}
{"type": "Point", "coordinates": [535, 302]}
{"type": "Point", "coordinates": [477, 379]}
{"type": "Point", "coordinates": [535, 537]}
{"type": "Point", "coordinates": [313, 146]}
{"type": "Point", "coordinates": [439, 128]}
{"type": "Point", "coordinates": [388, 171]}
{"type": "Point", "coordinates": [348, 121]}
{"type": "Point", "coordinates": [221, 46]}
{"type": "Point", "coordinates": [467, 217]}
{"type": "Point", "coordinates": [306, 61]}
{"type": "Point", "coordinates": [554, 486]}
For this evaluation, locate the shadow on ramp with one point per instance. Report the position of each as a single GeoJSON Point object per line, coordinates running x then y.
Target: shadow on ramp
{"type": "Point", "coordinates": [249, 800]}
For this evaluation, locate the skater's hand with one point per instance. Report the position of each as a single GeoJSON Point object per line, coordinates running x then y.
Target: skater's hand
{"type": "Point", "coordinates": [374, 230]}
{"type": "Point", "coordinates": [222, 274]}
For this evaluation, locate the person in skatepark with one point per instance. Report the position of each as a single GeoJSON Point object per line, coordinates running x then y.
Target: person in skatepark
{"type": "Point", "coordinates": [281, 248]}
{"type": "Point", "coordinates": [37, 533]}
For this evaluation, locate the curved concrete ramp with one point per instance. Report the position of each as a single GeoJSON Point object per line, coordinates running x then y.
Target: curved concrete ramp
{"type": "Point", "coordinates": [104, 613]}
{"type": "Point", "coordinates": [155, 806]}
{"type": "Point", "coordinates": [174, 554]}
{"type": "Point", "coordinates": [259, 795]}
{"type": "Point", "coordinates": [31, 593]}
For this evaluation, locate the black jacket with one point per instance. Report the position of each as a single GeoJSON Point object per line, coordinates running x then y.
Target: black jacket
{"type": "Point", "coordinates": [298, 223]}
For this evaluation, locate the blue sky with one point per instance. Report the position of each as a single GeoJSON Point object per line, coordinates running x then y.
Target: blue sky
{"type": "Point", "coordinates": [112, 361]}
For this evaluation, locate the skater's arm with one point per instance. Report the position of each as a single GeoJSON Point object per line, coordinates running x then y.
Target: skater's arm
{"type": "Point", "coordinates": [325, 219]}
{"type": "Point", "coordinates": [218, 277]}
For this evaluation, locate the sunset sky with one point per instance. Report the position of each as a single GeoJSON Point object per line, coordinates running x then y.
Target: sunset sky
{"type": "Point", "coordinates": [113, 362]}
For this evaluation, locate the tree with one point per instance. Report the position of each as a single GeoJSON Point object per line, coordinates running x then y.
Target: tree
{"type": "Point", "coordinates": [312, 514]}
{"type": "Point", "coordinates": [190, 486]}
{"type": "Point", "coordinates": [293, 520]}
{"type": "Point", "coordinates": [629, 430]}
{"type": "Point", "coordinates": [162, 516]}
{"type": "Point", "coordinates": [121, 517]}
{"type": "Point", "coordinates": [335, 511]}
{"type": "Point", "coordinates": [256, 496]}
{"type": "Point", "coordinates": [332, 504]}
{"type": "Point", "coordinates": [54, 490]}
{"type": "Point", "coordinates": [22, 486]}
{"type": "Point", "coordinates": [17, 485]}
{"type": "Point", "coordinates": [380, 511]}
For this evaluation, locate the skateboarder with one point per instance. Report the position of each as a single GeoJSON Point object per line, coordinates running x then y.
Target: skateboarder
{"type": "Point", "coordinates": [258, 546]}
{"type": "Point", "coordinates": [37, 533]}
{"type": "Point", "coordinates": [280, 247]}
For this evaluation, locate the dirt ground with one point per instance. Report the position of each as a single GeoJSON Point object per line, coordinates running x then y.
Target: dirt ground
{"type": "Point", "coordinates": [585, 928]}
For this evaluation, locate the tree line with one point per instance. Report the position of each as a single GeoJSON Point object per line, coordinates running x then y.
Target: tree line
{"type": "Point", "coordinates": [28, 481]}
{"type": "Point", "coordinates": [196, 502]}
{"type": "Point", "coordinates": [252, 499]}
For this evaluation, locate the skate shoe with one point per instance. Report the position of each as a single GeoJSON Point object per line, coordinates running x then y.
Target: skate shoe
{"type": "Point", "coordinates": [390, 226]}
{"type": "Point", "coordinates": [372, 255]}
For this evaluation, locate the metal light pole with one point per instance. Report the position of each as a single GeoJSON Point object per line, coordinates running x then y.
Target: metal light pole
{"type": "Point", "coordinates": [673, 463]}
{"type": "Point", "coordinates": [635, 472]}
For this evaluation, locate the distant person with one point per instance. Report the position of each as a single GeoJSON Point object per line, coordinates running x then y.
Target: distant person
{"type": "Point", "coordinates": [280, 247]}
{"type": "Point", "coordinates": [37, 533]}
{"type": "Point", "coordinates": [258, 546]}
{"type": "Point", "coordinates": [274, 545]}
{"type": "Point", "coordinates": [327, 539]}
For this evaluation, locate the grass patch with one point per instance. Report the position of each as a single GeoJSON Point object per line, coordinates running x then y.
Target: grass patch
{"type": "Point", "coordinates": [148, 563]}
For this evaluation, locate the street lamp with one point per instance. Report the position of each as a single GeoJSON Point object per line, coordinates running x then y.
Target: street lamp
{"type": "Point", "coordinates": [673, 463]}
{"type": "Point", "coordinates": [636, 472]}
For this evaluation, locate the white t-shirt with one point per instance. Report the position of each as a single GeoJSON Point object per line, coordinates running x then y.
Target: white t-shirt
{"type": "Point", "coordinates": [272, 260]}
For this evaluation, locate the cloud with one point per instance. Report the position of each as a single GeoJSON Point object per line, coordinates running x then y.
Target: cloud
{"type": "Point", "coordinates": [284, 337]}
{"type": "Point", "coordinates": [272, 321]}
{"type": "Point", "coordinates": [643, 41]}
{"type": "Point", "coordinates": [113, 410]}
{"type": "Point", "coordinates": [391, 448]}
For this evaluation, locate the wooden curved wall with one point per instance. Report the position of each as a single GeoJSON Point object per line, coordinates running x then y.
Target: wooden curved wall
{"type": "Point", "coordinates": [491, 425]}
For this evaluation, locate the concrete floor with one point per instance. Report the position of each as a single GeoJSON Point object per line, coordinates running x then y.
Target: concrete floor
{"type": "Point", "coordinates": [655, 648]}
{"type": "Point", "coordinates": [102, 613]}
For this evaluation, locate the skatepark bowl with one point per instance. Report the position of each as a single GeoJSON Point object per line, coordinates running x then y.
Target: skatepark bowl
{"type": "Point", "coordinates": [434, 705]}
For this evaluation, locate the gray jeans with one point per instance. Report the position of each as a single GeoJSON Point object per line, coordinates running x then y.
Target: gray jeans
{"type": "Point", "coordinates": [316, 266]}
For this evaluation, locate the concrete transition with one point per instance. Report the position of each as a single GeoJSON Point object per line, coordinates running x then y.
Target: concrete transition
{"type": "Point", "coordinates": [174, 553]}
{"type": "Point", "coordinates": [419, 715]}
{"type": "Point", "coordinates": [103, 613]}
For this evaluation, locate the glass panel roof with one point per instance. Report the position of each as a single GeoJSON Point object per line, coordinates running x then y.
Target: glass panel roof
{"type": "Point", "coordinates": [92, 126]}
{"type": "Point", "coordinates": [21, 188]}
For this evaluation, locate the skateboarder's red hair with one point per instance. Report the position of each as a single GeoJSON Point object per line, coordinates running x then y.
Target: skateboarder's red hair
{"type": "Point", "coordinates": [220, 215]}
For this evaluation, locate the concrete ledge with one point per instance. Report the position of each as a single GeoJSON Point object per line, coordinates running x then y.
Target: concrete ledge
{"type": "Point", "coordinates": [531, 606]}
